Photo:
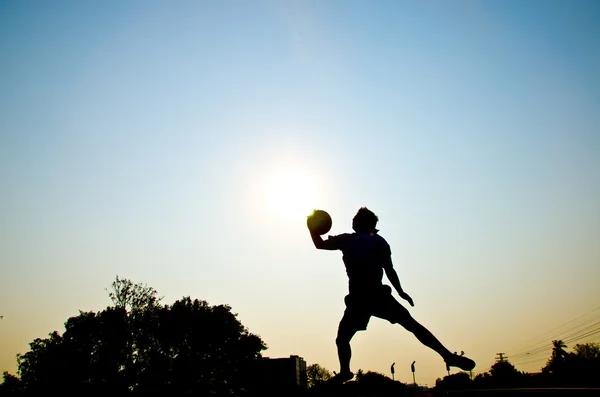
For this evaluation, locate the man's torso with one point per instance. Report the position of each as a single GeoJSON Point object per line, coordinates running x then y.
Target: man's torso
{"type": "Point", "coordinates": [364, 256]}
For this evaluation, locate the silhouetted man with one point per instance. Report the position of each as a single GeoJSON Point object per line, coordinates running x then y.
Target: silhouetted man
{"type": "Point", "coordinates": [366, 256]}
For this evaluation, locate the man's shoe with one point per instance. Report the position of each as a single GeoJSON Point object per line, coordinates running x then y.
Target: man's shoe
{"type": "Point", "coordinates": [462, 362]}
{"type": "Point", "coordinates": [342, 377]}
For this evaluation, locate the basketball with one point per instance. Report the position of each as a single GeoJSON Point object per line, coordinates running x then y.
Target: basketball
{"type": "Point", "coordinates": [319, 222]}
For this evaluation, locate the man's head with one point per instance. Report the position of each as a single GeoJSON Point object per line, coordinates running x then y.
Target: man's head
{"type": "Point", "coordinates": [365, 221]}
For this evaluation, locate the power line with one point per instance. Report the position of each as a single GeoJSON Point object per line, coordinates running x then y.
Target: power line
{"type": "Point", "coordinates": [529, 362]}
{"type": "Point", "coordinates": [534, 351]}
{"type": "Point", "coordinates": [578, 336]}
{"type": "Point", "coordinates": [574, 337]}
{"type": "Point", "coordinates": [579, 328]}
{"type": "Point", "coordinates": [581, 331]}
{"type": "Point", "coordinates": [582, 328]}
{"type": "Point", "coordinates": [545, 334]}
{"type": "Point", "coordinates": [584, 336]}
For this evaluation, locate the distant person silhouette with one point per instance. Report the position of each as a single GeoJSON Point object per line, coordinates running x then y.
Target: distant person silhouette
{"type": "Point", "coordinates": [366, 256]}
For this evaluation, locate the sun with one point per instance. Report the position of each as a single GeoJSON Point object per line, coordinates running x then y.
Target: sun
{"type": "Point", "coordinates": [291, 194]}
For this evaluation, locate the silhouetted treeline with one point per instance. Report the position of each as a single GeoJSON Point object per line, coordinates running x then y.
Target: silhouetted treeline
{"type": "Point", "coordinates": [368, 383]}
{"type": "Point", "coordinates": [580, 368]}
{"type": "Point", "coordinates": [139, 346]}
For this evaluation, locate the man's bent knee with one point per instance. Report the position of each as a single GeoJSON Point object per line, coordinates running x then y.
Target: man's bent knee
{"type": "Point", "coordinates": [342, 340]}
{"type": "Point", "coordinates": [344, 336]}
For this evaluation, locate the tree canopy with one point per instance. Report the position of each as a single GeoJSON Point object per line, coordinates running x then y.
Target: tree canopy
{"type": "Point", "coordinates": [316, 374]}
{"type": "Point", "coordinates": [139, 346]}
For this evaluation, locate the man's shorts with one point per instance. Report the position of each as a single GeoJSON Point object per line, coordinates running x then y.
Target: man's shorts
{"type": "Point", "coordinates": [379, 303]}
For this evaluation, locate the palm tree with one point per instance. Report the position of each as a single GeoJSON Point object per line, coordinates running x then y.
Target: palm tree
{"type": "Point", "coordinates": [556, 363]}
{"type": "Point", "coordinates": [558, 351]}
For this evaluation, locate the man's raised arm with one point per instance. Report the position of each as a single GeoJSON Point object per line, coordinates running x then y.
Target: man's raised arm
{"type": "Point", "coordinates": [322, 244]}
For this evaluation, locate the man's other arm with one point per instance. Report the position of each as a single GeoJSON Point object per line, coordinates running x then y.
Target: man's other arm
{"type": "Point", "coordinates": [391, 274]}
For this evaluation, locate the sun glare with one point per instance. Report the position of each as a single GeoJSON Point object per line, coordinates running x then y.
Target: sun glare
{"type": "Point", "coordinates": [291, 194]}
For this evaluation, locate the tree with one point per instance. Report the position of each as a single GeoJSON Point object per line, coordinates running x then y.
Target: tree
{"type": "Point", "coordinates": [140, 346]}
{"type": "Point", "coordinates": [503, 370]}
{"type": "Point", "coordinates": [483, 380]}
{"type": "Point", "coordinates": [577, 369]}
{"type": "Point", "coordinates": [458, 381]}
{"type": "Point", "coordinates": [587, 351]}
{"type": "Point", "coordinates": [501, 374]}
{"type": "Point", "coordinates": [558, 352]}
{"type": "Point", "coordinates": [43, 366]}
{"type": "Point", "coordinates": [10, 386]}
{"type": "Point", "coordinates": [317, 374]}
{"type": "Point", "coordinates": [375, 383]}
{"type": "Point", "coordinates": [556, 363]}
{"type": "Point", "coordinates": [202, 349]}
{"type": "Point", "coordinates": [133, 297]}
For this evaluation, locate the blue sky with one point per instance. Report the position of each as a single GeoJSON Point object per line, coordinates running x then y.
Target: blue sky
{"type": "Point", "coordinates": [150, 139]}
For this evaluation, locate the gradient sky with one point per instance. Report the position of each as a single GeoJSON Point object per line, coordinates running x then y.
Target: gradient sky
{"type": "Point", "coordinates": [181, 144]}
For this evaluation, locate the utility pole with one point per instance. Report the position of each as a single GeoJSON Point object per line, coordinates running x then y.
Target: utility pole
{"type": "Point", "coordinates": [501, 357]}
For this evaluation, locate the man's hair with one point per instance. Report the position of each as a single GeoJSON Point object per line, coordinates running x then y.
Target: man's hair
{"type": "Point", "coordinates": [366, 220]}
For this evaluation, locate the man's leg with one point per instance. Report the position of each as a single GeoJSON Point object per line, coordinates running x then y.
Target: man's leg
{"type": "Point", "coordinates": [394, 312]}
{"type": "Point", "coordinates": [342, 342]}
{"type": "Point", "coordinates": [427, 338]}
{"type": "Point", "coordinates": [355, 318]}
